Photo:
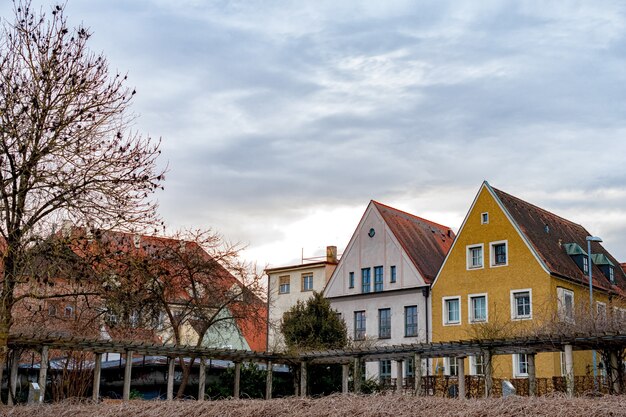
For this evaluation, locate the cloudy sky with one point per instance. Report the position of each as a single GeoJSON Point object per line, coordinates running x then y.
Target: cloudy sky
{"type": "Point", "coordinates": [281, 120]}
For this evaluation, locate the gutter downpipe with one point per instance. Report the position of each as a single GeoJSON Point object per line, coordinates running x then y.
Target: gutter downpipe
{"type": "Point", "coordinates": [426, 293]}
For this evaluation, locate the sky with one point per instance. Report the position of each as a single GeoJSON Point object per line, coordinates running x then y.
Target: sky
{"type": "Point", "coordinates": [280, 120]}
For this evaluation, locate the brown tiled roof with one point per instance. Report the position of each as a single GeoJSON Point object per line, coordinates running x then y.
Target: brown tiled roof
{"type": "Point", "coordinates": [426, 243]}
{"type": "Point", "coordinates": [547, 233]}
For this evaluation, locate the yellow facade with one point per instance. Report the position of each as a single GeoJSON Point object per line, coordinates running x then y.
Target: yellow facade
{"type": "Point", "coordinates": [522, 272]}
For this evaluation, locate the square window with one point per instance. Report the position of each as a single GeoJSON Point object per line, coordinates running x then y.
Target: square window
{"type": "Point", "coordinates": [521, 305]}
{"type": "Point", "coordinates": [359, 325]}
{"type": "Point", "coordinates": [307, 282]}
{"type": "Point", "coordinates": [384, 323]}
{"type": "Point", "coordinates": [283, 285]}
{"type": "Point", "coordinates": [410, 321]}
{"type": "Point", "coordinates": [478, 308]}
{"type": "Point", "coordinates": [477, 365]}
{"type": "Point", "coordinates": [499, 253]}
{"type": "Point", "coordinates": [392, 274]}
{"type": "Point", "coordinates": [351, 280]}
{"type": "Point", "coordinates": [566, 304]}
{"type": "Point", "coordinates": [366, 280]}
{"type": "Point", "coordinates": [378, 278]}
{"type": "Point", "coordinates": [484, 218]}
{"type": "Point", "coordinates": [474, 256]}
{"type": "Point", "coordinates": [452, 310]}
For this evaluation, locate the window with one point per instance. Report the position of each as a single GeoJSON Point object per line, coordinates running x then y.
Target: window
{"type": "Point", "coordinates": [499, 253]}
{"type": "Point", "coordinates": [478, 308]}
{"type": "Point", "coordinates": [452, 310]}
{"type": "Point", "coordinates": [409, 367]}
{"type": "Point", "coordinates": [384, 323]}
{"type": "Point", "coordinates": [392, 274]}
{"type": "Point", "coordinates": [283, 285]}
{"type": "Point", "coordinates": [611, 275]}
{"type": "Point", "coordinates": [566, 304]}
{"type": "Point", "coordinates": [477, 365]}
{"type": "Point", "coordinates": [521, 306]}
{"type": "Point", "coordinates": [520, 365]}
{"type": "Point", "coordinates": [307, 282]}
{"type": "Point", "coordinates": [451, 367]}
{"type": "Point", "coordinates": [378, 278]}
{"type": "Point", "coordinates": [585, 265]}
{"type": "Point", "coordinates": [475, 257]}
{"type": "Point", "coordinates": [365, 280]}
{"type": "Point", "coordinates": [563, 368]}
{"type": "Point", "coordinates": [384, 369]}
{"type": "Point", "coordinates": [52, 310]}
{"type": "Point", "coordinates": [134, 318]}
{"type": "Point", "coordinates": [69, 312]}
{"type": "Point", "coordinates": [359, 325]}
{"type": "Point", "coordinates": [484, 218]}
{"type": "Point", "coordinates": [410, 321]}
{"type": "Point", "coordinates": [351, 280]}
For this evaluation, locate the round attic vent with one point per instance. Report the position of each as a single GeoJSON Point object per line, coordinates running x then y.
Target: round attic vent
{"type": "Point", "coordinates": [372, 232]}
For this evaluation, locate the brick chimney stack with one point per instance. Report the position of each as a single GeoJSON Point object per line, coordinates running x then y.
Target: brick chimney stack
{"type": "Point", "coordinates": [331, 254]}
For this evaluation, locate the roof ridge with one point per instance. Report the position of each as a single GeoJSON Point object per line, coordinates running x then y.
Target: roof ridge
{"type": "Point", "coordinates": [539, 208]}
{"type": "Point", "coordinates": [441, 226]}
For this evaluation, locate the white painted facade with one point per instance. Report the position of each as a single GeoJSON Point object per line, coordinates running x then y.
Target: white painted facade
{"type": "Point", "coordinates": [280, 302]}
{"type": "Point", "coordinates": [379, 248]}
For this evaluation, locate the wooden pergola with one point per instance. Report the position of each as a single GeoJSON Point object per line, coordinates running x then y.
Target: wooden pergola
{"type": "Point", "coordinates": [612, 342]}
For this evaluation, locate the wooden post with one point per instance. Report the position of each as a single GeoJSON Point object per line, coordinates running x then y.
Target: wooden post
{"type": "Point", "coordinates": [13, 376]}
{"type": "Point", "coordinates": [532, 375]}
{"type": "Point", "coordinates": [269, 380]}
{"type": "Point", "coordinates": [417, 372]}
{"type": "Point", "coordinates": [237, 380]}
{"type": "Point", "coordinates": [128, 369]}
{"type": "Point", "coordinates": [461, 366]}
{"type": "Point", "coordinates": [399, 378]}
{"type": "Point", "coordinates": [357, 375]}
{"type": "Point", "coordinates": [171, 369]}
{"type": "Point", "coordinates": [43, 373]}
{"type": "Point", "coordinates": [97, 370]}
{"type": "Point", "coordinates": [201, 380]}
{"type": "Point", "coordinates": [488, 365]}
{"type": "Point", "coordinates": [615, 363]}
{"type": "Point", "coordinates": [569, 370]}
{"type": "Point", "coordinates": [303, 379]}
{"type": "Point", "coordinates": [345, 372]}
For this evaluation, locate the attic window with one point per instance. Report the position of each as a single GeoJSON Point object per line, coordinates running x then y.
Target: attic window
{"type": "Point", "coordinates": [605, 265]}
{"type": "Point", "coordinates": [484, 218]}
{"type": "Point", "coordinates": [578, 255]}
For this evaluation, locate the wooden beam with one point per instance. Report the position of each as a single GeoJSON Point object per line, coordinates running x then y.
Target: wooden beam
{"type": "Point", "coordinates": [417, 373]}
{"type": "Point", "coordinates": [532, 375]}
{"type": "Point", "coordinates": [43, 372]}
{"type": "Point", "coordinates": [303, 379]}
{"type": "Point", "coordinates": [237, 380]}
{"type": "Point", "coordinates": [171, 371]}
{"type": "Point", "coordinates": [357, 375]}
{"type": "Point", "coordinates": [128, 369]}
{"type": "Point", "coordinates": [569, 370]}
{"type": "Point", "coordinates": [461, 367]}
{"type": "Point", "coordinates": [97, 371]}
{"type": "Point", "coordinates": [201, 380]}
{"type": "Point", "coordinates": [345, 373]}
{"type": "Point", "coordinates": [399, 378]}
{"type": "Point", "coordinates": [269, 379]}
{"type": "Point", "coordinates": [614, 374]}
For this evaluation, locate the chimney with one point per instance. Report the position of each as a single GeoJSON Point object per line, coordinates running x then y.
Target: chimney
{"type": "Point", "coordinates": [331, 254]}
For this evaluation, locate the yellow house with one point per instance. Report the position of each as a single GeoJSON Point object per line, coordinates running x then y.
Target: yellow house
{"type": "Point", "coordinates": [515, 269]}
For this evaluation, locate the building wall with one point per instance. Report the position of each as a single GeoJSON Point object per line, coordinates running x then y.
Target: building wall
{"type": "Point", "coordinates": [523, 271]}
{"type": "Point", "coordinates": [279, 303]}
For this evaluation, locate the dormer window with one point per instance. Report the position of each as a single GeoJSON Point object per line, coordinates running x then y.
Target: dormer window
{"type": "Point", "coordinates": [611, 275]}
{"type": "Point", "coordinates": [578, 255]}
{"type": "Point", "coordinates": [585, 265]}
{"type": "Point", "coordinates": [605, 265]}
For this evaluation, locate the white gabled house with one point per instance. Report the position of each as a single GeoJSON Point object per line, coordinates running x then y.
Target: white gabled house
{"type": "Point", "coordinates": [382, 282]}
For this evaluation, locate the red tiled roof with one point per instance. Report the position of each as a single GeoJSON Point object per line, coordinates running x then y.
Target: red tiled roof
{"type": "Point", "coordinates": [547, 233]}
{"type": "Point", "coordinates": [426, 243]}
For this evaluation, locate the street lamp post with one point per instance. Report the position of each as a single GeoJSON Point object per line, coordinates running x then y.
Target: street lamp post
{"type": "Point", "coordinates": [589, 268]}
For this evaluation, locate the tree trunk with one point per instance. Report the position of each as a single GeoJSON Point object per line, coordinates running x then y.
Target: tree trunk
{"type": "Point", "coordinates": [186, 373]}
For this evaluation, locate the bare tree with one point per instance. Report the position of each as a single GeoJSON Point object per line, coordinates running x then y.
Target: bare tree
{"type": "Point", "coordinates": [66, 151]}
{"type": "Point", "coordinates": [188, 287]}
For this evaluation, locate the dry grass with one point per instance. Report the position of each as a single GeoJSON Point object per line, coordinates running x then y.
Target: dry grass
{"type": "Point", "coordinates": [337, 405]}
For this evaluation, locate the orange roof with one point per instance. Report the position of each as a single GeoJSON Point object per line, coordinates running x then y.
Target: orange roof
{"type": "Point", "coordinates": [425, 242]}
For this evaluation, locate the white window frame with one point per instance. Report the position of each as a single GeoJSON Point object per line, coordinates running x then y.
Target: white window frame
{"type": "Point", "coordinates": [304, 277]}
{"type": "Point", "coordinates": [470, 309]}
{"type": "Point", "coordinates": [288, 285]}
{"type": "Point", "coordinates": [445, 311]}
{"type": "Point", "coordinates": [561, 292]}
{"type": "Point", "coordinates": [492, 253]}
{"type": "Point", "coordinates": [482, 217]}
{"type": "Point", "coordinates": [516, 362]}
{"type": "Point", "coordinates": [472, 364]}
{"type": "Point", "coordinates": [446, 365]}
{"type": "Point", "coordinates": [514, 315]}
{"type": "Point", "coordinates": [468, 256]}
